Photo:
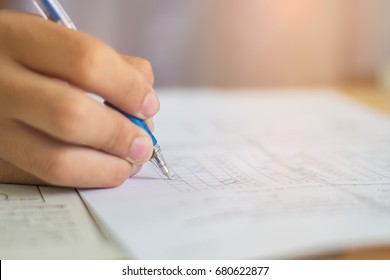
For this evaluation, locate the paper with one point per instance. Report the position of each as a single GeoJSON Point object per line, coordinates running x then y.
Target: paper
{"type": "Point", "coordinates": [38, 222]}
{"type": "Point", "coordinates": [257, 175]}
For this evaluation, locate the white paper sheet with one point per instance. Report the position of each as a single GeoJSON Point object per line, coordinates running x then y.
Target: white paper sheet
{"type": "Point", "coordinates": [257, 175]}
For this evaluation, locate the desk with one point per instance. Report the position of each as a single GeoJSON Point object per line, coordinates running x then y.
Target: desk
{"type": "Point", "coordinates": [375, 98]}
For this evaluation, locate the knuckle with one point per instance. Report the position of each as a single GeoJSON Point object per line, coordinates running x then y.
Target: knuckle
{"type": "Point", "coordinates": [145, 65]}
{"type": "Point", "coordinates": [68, 121]}
{"type": "Point", "coordinates": [55, 169]}
{"type": "Point", "coordinates": [113, 138]}
{"type": "Point", "coordinates": [146, 68]}
{"type": "Point", "coordinates": [136, 89]}
{"type": "Point", "coordinates": [117, 138]}
{"type": "Point", "coordinates": [89, 60]}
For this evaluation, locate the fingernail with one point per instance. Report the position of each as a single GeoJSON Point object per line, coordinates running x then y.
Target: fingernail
{"type": "Point", "coordinates": [140, 150]}
{"type": "Point", "coordinates": [151, 105]}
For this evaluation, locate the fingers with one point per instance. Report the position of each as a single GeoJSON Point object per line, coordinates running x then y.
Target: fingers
{"type": "Point", "coordinates": [80, 60]}
{"type": "Point", "coordinates": [13, 175]}
{"type": "Point", "coordinates": [142, 65]}
{"type": "Point", "coordinates": [53, 131]}
{"type": "Point", "coordinates": [60, 164]}
{"type": "Point", "coordinates": [68, 115]}
{"type": "Point", "coordinates": [150, 124]}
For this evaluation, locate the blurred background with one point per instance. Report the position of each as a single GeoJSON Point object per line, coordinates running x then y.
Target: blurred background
{"type": "Point", "coordinates": [250, 43]}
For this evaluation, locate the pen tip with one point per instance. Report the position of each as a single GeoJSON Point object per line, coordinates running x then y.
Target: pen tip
{"type": "Point", "coordinates": [168, 174]}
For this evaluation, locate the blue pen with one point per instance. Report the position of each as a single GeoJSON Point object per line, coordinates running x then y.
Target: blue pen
{"type": "Point", "coordinates": [52, 10]}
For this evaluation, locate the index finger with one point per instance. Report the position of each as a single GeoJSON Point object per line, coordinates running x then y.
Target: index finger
{"type": "Point", "coordinates": [79, 59]}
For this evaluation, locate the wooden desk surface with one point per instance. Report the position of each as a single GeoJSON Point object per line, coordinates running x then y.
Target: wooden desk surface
{"type": "Point", "coordinates": [375, 98]}
{"type": "Point", "coordinates": [380, 100]}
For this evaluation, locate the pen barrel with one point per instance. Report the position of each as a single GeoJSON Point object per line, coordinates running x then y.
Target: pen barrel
{"type": "Point", "coordinates": [143, 125]}
{"type": "Point", "coordinates": [52, 10]}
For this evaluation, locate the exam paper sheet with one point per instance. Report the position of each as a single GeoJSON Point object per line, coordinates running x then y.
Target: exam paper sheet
{"type": "Point", "coordinates": [257, 175]}
{"type": "Point", "coordinates": [39, 222]}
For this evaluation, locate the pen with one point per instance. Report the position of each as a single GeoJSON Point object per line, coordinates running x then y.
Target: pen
{"type": "Point", "coordinates": [52, 10]}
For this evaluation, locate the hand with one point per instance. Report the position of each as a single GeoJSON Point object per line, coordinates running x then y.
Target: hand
{"type": "Point", "coordinates": [51, 131]}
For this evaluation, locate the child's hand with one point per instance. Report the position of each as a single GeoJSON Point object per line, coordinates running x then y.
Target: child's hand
{"type": "Point", "coordinates": [51, 131]}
